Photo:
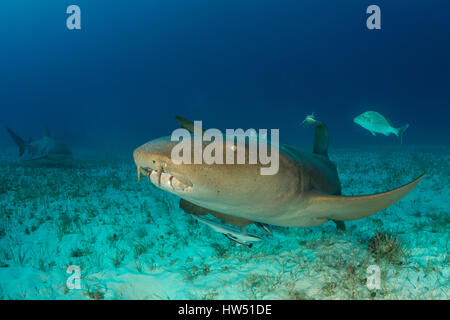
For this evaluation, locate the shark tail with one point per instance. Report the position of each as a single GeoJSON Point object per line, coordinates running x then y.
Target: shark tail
{"type": "Point", "coordinates": [342, 208]}
{"type": "Point", "coordinates": [401, 130]}
{"type": "Point", "coordinates": [18, 140]}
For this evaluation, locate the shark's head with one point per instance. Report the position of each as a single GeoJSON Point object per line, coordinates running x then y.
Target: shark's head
{"type": "Point", "coordinates": [361, 119]}
{"type": "Point", "coordinates": [216, 186]}
{"type": "Point", "coordinates": [153, 160]}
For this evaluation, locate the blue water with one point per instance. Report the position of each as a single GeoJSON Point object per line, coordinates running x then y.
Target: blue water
{"type": "Point", "coordinates": [135, 64]}
{"type": "Point", "coordinates": [120, 80]}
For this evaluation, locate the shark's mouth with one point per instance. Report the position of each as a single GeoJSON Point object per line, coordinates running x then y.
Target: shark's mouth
{"type": "Point", "coordinates": [165, 180]}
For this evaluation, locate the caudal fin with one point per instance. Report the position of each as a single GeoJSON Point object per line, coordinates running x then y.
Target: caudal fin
{"type": "Point", "coordinates": [342, 208]}
{"type": "Point", "coordinates": [18, 140]}
{"type": "Point", "coordinates": [401, 130]}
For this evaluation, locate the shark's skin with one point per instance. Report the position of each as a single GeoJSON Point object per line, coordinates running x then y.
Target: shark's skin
{"type": "Point", "coordinates": [44, 148]}
{"type": "Point", "coordinates": [305, 191]}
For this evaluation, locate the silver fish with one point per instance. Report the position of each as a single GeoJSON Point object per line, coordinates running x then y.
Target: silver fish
{"type": "Point", "coordinates": [377, 123]}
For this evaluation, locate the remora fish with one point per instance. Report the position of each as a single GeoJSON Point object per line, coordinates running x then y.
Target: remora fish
{"type": "Point", "coordinates": [45, 148]}
{"type": "Point", "coordinates": [239, 237]}
{"type": "Point", "coordinates": [377, 123]}
{"type": "Point", "coordinates": [306, 191]}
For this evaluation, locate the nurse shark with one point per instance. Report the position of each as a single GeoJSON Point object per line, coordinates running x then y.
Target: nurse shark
{"type": "Point", "coordinates": [306, 190]}
{"type": "Point", "coordinates": [45, 148]}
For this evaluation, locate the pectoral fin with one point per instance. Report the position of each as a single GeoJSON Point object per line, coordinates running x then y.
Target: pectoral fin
{"type": "Point", "coordinates": [342, 208]}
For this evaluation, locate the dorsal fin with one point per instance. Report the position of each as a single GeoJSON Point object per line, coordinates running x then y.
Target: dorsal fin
{"type": "Point", "coordinates": [321, 139]}
{"type": "Point", "coordinates": [186, 124]}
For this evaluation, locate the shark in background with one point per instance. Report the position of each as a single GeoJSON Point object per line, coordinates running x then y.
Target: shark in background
{"type": "Point", "coordinates": [44, 148]}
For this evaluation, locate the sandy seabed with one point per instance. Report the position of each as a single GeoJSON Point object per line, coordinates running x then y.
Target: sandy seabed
{"type": "Point", "coordinates": [131, 241]}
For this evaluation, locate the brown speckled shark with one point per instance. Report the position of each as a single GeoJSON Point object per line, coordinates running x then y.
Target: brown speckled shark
{"type": "Point", "coordinates": [306, 191]}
